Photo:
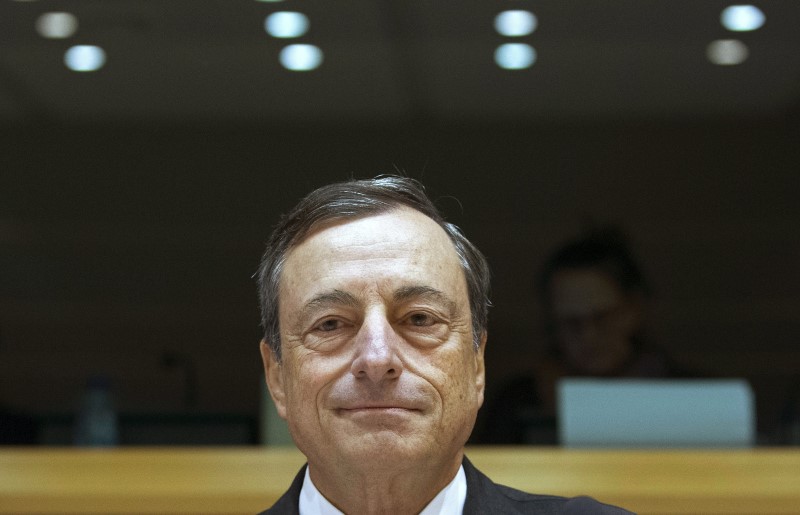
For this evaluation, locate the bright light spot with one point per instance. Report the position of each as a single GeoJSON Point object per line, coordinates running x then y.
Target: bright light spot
{"type": "Point", "coordinates": [285, 24]}
{"type": "Point", "coordinates": [727, 52]}
{"type": "Point", "coordinates": [301, 57]}
{"type": "Point", "coordinates": [515, 56]}
{"type": "Point", "coordinates": [85, 58]}
{"type": "Point", "coordinates": [742, 18]}
{"type": "Point", "coordinates": [56, 25]}
{"type": "Point", "coordinates": [515, 23]}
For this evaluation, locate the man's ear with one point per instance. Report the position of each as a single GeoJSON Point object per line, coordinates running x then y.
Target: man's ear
{"type": "Point", "coordinates": [272, 372]}
{"type": "Point", "coordinates": [480, 369]}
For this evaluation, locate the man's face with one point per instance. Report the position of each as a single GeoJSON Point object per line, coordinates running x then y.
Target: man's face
{"type": "Point", "coordinates": [594, 320]}
{"type": "Point", "coordinates": [378, 359]}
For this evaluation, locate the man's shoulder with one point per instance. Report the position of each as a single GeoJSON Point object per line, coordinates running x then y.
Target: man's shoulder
{"type": "Point", "coordinates": [289, 502]}
{"type": "Point", "coordinates": [485, 496]}
{"type": "Point", "coordinates": [523, 502]}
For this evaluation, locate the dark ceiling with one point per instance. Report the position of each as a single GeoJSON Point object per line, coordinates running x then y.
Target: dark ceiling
{"type": "Point", "coordinates": [388, 61]}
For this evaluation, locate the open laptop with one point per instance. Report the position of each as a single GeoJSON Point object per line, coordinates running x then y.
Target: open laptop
{"type": "Point", "coordinates": [656, 413]}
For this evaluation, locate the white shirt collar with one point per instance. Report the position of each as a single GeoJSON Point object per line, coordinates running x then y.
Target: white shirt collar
{"type": "Point", "coordinates": [449, 501]}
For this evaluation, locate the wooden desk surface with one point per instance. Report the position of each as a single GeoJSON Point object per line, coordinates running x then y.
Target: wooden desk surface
{"type": "Point", "coordinates": [247, 480]}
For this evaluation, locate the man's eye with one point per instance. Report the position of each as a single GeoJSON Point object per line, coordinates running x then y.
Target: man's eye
{"type": "Point", "coordinates": [329, 325]}
{"type": "Point", "coordinates": [421, 320]}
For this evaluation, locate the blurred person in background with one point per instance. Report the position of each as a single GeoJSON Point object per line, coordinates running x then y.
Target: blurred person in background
{"type": "Point", "coordinates": [594, 297]}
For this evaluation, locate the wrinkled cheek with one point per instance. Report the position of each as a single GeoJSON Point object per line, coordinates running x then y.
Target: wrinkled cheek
{"type": "Point", "coordinates": [299, 405]}
{"type": "Point", "coordinates": [304, 426]}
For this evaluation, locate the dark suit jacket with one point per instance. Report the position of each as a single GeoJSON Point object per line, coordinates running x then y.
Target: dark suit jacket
{"type": "Point", "coordinates": [483, 497]}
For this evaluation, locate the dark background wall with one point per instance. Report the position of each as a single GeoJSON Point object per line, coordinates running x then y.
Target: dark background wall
{"type": "Point", "coordinates": [127, 247]}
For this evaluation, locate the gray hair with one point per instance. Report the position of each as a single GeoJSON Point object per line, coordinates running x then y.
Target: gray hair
{"type": "Point", "coordinates": [353, 199]}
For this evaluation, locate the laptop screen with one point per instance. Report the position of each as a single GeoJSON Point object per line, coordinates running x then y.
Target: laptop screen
{"type": "Point", "coordinates": [655, 413]}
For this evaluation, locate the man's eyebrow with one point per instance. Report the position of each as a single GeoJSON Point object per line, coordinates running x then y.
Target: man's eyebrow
{"type": "Point", "coordinates": [407, 293]}
{"type": "Point", "coordinates": [332, 297]}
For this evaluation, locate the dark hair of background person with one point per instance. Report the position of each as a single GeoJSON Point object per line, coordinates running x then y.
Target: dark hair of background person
{"type": "Point", "coordinates": [353, 199]}
{"type": "Point", "coordinates": [606, 250]}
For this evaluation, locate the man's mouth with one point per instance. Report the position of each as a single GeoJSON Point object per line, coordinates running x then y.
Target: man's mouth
{"type": "Point", "coordinates": [378, 410]}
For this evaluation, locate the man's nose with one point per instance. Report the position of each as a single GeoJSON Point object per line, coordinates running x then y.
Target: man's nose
{"type": "Point", "coordinates": [376, 344]}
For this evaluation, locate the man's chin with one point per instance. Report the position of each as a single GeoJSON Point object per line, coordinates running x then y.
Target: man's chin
{"type": "Point", "coordinates": [385, 434]}
{"type": "Point", "coordinates": [377, 450]}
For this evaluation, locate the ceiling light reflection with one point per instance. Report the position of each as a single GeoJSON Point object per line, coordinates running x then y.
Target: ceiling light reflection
{"type": "Point", "coordinates": [741, 18]}
{"type": "Point", "coordinates": [727, 52]}
{"type": "Point", "coordinates": [286, 24]}
{"type": "Point", "coordinates": [515, 56]}
{"type": "Point", "coordinates": [301, 57]}
{"type": "Point", "coordinates": [56, 25]}
{"type": "Point", "coordinates": [85, 58]}
{"type": "Point", "coordinates": [515, 23]}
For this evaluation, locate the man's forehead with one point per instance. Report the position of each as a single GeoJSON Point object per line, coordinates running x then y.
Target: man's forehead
{"type": "Point", "coordinates": [384, 215]}
{"type": "Point", "coordinates": [400, 234]}
{"type": "Point", "coordinates": [383, 226]}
